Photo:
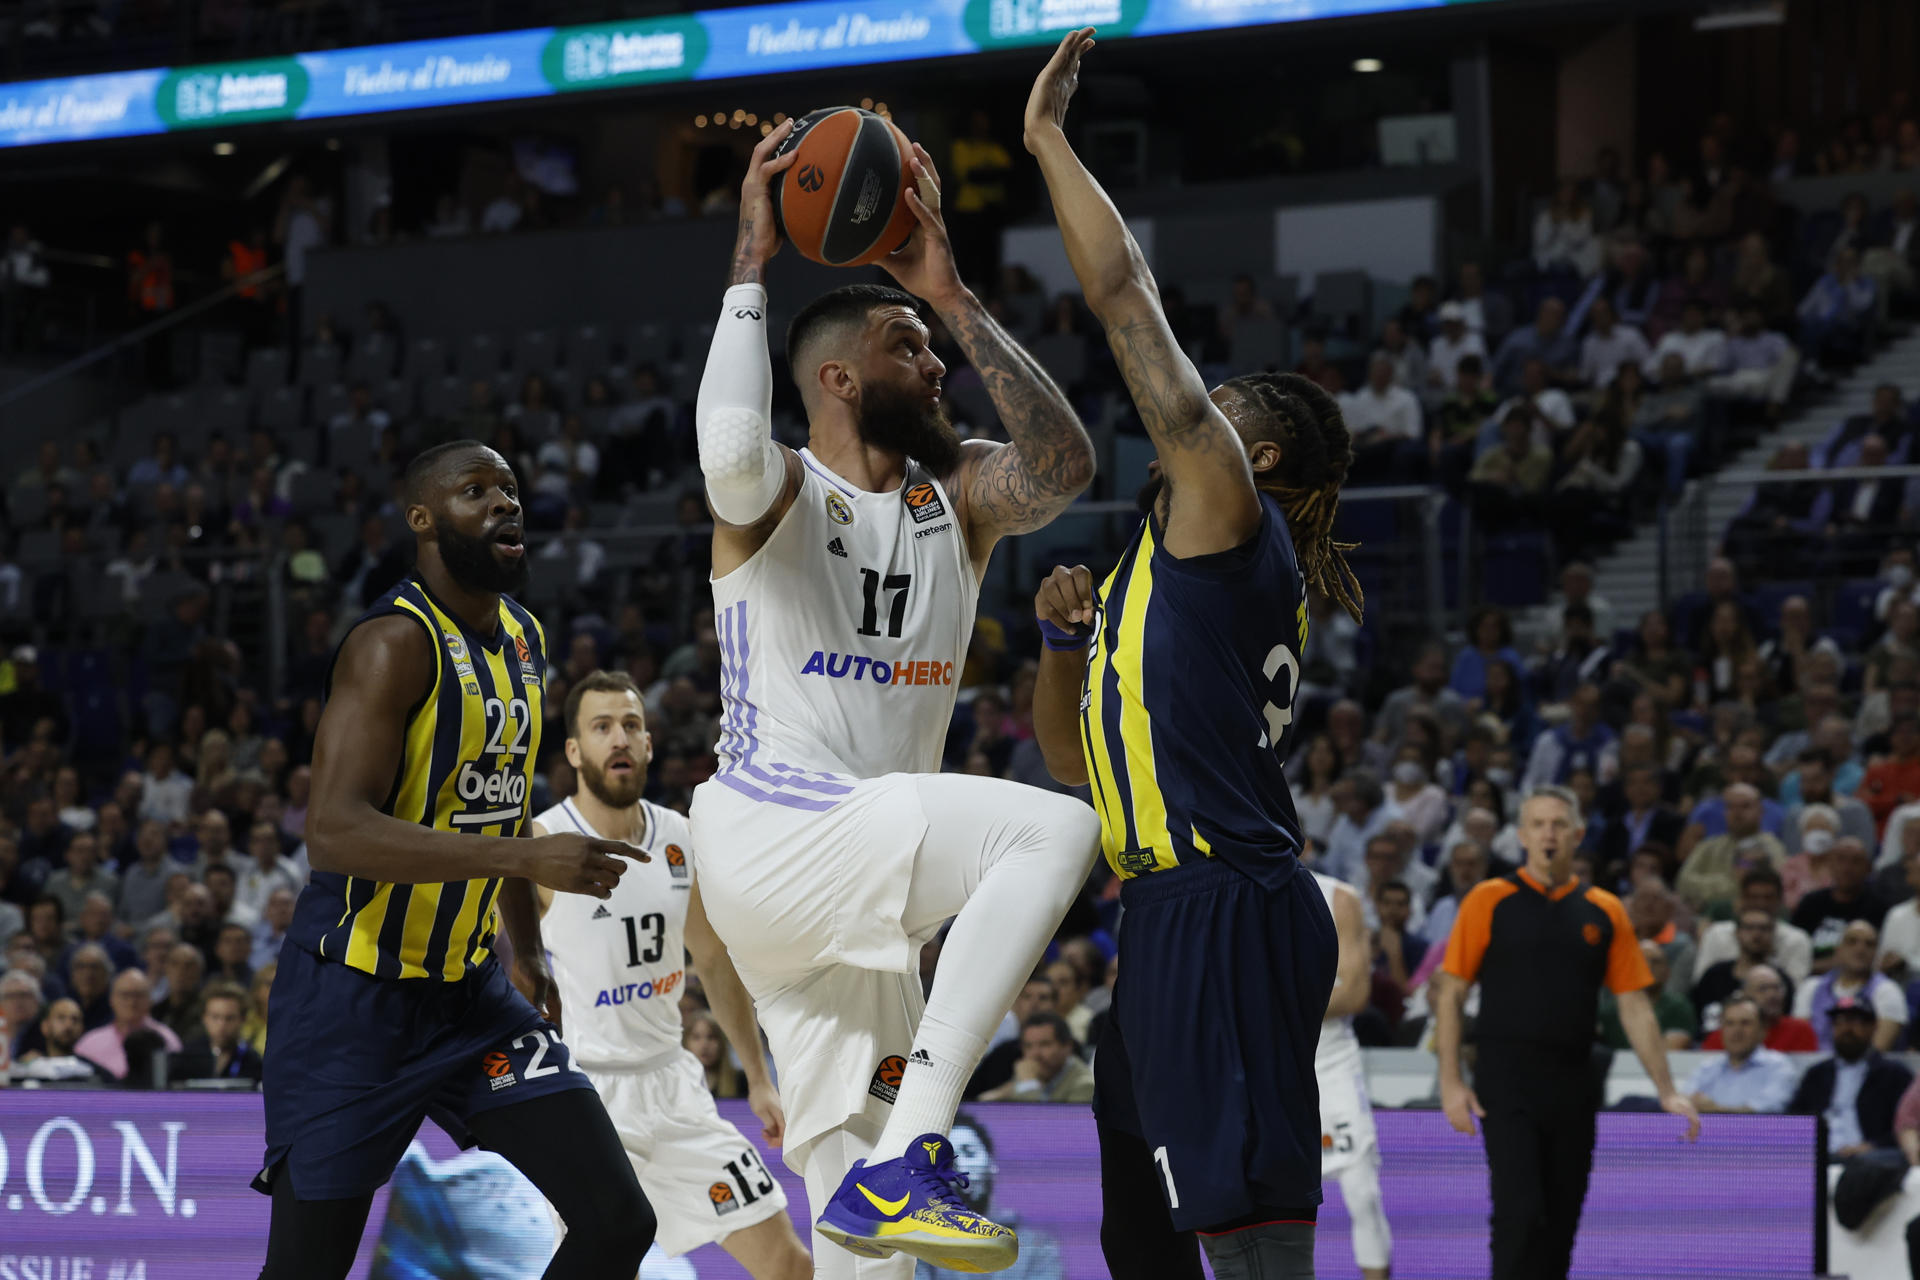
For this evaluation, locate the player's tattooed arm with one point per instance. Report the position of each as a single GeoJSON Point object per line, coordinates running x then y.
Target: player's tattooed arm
{"type": "Point", "coordinates": [1021, 486]}
{"type": "Point", "coordinates": [1215, 505]}
{"type": "Point", "coordinates": [759, 237]}
{"type": "Point", "coordinates": [1001, 489]}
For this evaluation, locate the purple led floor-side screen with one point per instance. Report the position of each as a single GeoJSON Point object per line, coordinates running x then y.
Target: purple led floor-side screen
{"type": "Point", "coordinates": [133, 1186]}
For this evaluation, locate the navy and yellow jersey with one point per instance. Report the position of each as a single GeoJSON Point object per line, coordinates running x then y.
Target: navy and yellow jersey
{"type": "Point", "coordinates": [1187, 713]}
{"type": "Point", "coordinates": [467, 766]}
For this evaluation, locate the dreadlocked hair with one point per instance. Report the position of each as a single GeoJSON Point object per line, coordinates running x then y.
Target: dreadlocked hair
{"type": "Point", "coordinates": [1315, 452]}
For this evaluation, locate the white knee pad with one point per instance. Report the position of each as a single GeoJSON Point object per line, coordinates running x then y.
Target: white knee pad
{"type": "Point", "coordinates": [1372, 1237]}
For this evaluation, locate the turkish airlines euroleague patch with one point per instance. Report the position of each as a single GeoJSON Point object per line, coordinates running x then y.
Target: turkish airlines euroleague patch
{"type": "Point", "coordinates": [723, 1200]}
{"type": "Point", "coordinates": [677, 861]}
{"type": "Point", "coordinates": [886, 1078]}
{"type": "Point", "coordinates": [923, 500]}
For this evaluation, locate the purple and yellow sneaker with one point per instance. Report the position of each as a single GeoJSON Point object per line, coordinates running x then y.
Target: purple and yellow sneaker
{"type": "Point", "coordinates": [909, 1206]}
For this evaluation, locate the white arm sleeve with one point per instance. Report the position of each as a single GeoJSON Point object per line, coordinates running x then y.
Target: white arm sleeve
{"type": "Point", "coordinates": [733, 418]}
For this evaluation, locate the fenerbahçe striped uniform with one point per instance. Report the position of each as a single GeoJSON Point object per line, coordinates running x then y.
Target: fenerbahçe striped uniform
{"type": "Point", "coordinates": [1228, 951]}
{"type": "Point", "coordinates": [389, 1003]}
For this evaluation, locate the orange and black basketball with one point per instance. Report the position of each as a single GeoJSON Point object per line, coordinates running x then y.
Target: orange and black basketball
{"type": "Point", "coordinates": [843, 202]}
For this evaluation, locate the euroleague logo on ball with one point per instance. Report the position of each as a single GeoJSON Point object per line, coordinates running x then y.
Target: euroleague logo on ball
{"type": "Point", "coordinates": [810, 178]}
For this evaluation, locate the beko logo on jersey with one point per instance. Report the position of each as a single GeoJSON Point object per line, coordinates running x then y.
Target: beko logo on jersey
{"type": "Point", "coordinates": [842, 666]}
{"type": "Point", "coordinates": [507, 787]}
{"type": "Point", "coordinates": [634, 992]}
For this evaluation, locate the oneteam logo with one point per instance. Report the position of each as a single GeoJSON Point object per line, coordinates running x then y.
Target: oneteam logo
{"type": "Point", "coordinates": [857, 667]}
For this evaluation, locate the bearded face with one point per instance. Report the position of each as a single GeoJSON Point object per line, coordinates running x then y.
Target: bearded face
{"type": "Point", "coordinates": [905, 422]}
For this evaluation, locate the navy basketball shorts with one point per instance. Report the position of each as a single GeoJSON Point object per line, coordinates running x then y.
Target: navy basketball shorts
{"type": "Point", "coordinates": [1208, 1053]}
{"type": "Point", "coordinates": [354, 1063]}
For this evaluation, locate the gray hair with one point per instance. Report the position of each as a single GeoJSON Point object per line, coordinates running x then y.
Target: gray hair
{"type": "Point", "coordinates": [94, 949]}
{"type": "Point", "coordinates": [1563, 794]}
{"type": "Point", "coordinates": [19, 979]}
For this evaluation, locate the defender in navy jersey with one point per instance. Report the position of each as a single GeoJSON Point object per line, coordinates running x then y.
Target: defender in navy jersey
{"type": "Point", "coordinates": [390, 1003]}
{"type": "Point", "coordinates": [1170, 691]}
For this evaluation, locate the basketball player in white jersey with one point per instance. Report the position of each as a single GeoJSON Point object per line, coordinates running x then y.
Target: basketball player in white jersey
{"type": "Point", "coordinates": [1349, 1146]}
{"type": "Point", "coordinates": [845, 580]}
{"type": "Point", "coordinates": [619, 964]}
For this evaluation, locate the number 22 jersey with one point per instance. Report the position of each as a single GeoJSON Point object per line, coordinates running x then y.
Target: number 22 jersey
{"type": "Point", "coordinates": [1186, 716]}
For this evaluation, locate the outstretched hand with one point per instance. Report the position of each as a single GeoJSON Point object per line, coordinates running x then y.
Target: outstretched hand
{"type": "Point", "coordinates": [759, 237]}
{"type": "Point", "coordinates": [924, 266]}
{"type": "Point", "coordinates": [574, 863]}
{"type": "Point", "coordinates": [1047, 103]}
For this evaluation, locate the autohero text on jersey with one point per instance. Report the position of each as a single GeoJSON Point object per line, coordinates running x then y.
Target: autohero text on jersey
{"type": "Point", "coordinates": [855, 666]}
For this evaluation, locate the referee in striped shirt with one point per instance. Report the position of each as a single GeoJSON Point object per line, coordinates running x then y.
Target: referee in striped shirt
{"type": "Point", "coordinates": [1540, 946]}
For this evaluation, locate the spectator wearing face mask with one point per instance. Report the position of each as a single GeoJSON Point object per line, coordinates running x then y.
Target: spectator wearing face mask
{"type": "Point", "coordinates": [1807, 870]}
{"type": "Point", "coordinates": [1711, 872]}
{"type": "Point", "coordinates": [1413, 797]}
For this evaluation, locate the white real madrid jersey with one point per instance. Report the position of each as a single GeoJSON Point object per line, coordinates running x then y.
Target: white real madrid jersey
{"type": "Point", "coordinates": [619, 961]}
{"type": "Point", "coordinates": [1338, 1047]}
{"type": "Point", "coordinates": [841, 640]}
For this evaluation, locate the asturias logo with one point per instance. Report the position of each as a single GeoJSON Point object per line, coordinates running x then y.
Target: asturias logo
{"type": "Point", "coordinates": [641, 51]}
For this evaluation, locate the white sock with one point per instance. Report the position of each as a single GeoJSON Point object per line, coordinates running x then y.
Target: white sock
{"type": "Point", "coordinates": [942, 1061]}
{"type": "Point", "coordinates": [1008, 860]}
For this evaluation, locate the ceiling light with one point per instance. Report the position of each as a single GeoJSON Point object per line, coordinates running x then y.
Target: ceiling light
{"type": "Point", "coordinates": [752, 119]}
{"type": "Point", "coordinates": [223, 148]}
{"type": "Point", "coordinates": [333, 144]}
{"type": "Point", "coordinates": [766, 128]}
{"type": "Point", "coordinates": [866, 104]}
{"type": "Point", "coordinates": [699, 122]}
{"type": "Point", "coordinates": [1366, 65]}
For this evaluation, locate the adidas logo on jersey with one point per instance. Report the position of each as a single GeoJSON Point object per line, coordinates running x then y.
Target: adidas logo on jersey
{"type": "Point", "coordinates": [837, 548]}
{"type": "Point", "coordinates": [601, 913]}
{"type": "Point", "coordinates": [920, 1057]}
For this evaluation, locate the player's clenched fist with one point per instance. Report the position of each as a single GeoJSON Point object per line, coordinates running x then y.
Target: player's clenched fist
{"type": "Point", "coordinates": [1065, 599]}
{"type": "Point", "coordinates": [575, 863]}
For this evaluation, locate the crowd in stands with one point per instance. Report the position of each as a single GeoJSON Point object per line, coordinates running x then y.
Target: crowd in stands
{"type": "Point", "coordinates": [1659, 320]}
{"type": "Point", "coordinates": [1749, 758]}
